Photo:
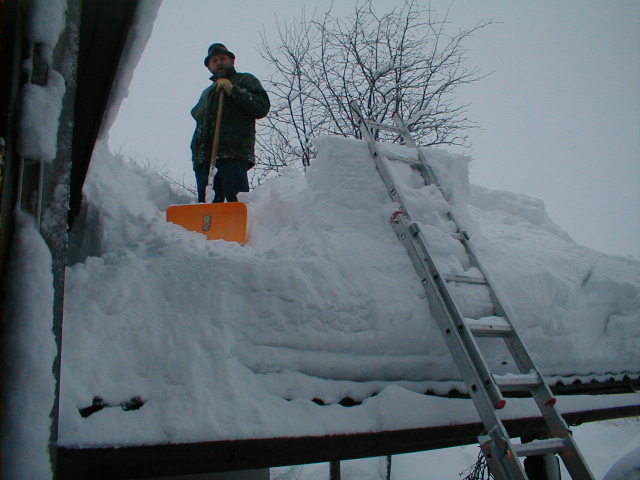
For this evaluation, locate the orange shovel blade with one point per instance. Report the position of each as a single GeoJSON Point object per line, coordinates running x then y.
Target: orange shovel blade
{"type": "Point", "coordinates": [218, 221]}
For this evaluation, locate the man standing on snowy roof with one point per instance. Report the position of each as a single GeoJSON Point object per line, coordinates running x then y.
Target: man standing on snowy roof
{"type": "Point", "coordinates": [245, 101]}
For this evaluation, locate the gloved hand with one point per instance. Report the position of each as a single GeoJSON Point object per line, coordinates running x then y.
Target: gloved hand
{"type": "Point", "coordinates": [224, 84]}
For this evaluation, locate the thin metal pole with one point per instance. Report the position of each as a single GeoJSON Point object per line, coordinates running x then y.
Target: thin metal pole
{"type": "Point", "coordinates": [20, 181]}
{"type": "Point", "coordinates": [334, 470]}
{"type": "Point", "coordinates": [40, 187]}
{"type": "Point", "coordinates": [29, 77]}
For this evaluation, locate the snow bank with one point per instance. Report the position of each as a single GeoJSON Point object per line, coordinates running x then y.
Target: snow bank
{"type": "Point", "coordinates": [46, 21]}
{"type": "Point", "coordinates": [29, 351]}
{"type": "Point", "coordinates": [29, 346]}
{"type": "Point", "coordinates": [42, 104]}
{"type": "Point", "coordinates": [227, 341]}
{"type": "Point", "coordinates": [41, 108]}
{"type": "Point", "coordinates": [627, 468]}
{"type": "Point", "coordinates": [515, 208]}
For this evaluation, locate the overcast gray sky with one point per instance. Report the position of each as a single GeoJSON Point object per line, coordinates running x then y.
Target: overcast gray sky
{"type": "Point", "coordinates": [559, 118]}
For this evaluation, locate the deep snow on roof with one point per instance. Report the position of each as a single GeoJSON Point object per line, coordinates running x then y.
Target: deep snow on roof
{"type": "Point", "coordinates": [226, 341]}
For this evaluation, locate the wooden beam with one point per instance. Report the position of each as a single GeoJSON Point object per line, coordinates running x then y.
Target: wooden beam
{"type": "Point", "coordinates": [208, 457]}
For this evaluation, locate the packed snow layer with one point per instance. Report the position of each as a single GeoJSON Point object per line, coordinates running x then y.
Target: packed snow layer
{"type": "Point", "coordinates": [227, 341]}
{"type": "Point", "coordinates": [627, 468]}
{"type": "Point", "coordinates": [46, 21]}
{"type": "Point", "coordinates": [41, 108]}
{"type": "Point", "coordinates": [29, 350]}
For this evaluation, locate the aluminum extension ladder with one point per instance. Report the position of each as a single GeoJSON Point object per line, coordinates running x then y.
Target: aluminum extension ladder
{"type": "Point", "coordinates": [485, 387]}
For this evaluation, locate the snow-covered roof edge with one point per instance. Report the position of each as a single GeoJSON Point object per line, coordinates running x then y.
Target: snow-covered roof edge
{"type": "Point", "coordinates": [137, 38]}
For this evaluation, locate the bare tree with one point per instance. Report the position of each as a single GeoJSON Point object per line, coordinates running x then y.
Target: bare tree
{"type": "Point", "coordinates": [405, 60]}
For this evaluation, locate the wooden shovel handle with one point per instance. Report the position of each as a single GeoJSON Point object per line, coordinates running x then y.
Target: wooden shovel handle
{"type": "Point", "coordinates": [216, 135]}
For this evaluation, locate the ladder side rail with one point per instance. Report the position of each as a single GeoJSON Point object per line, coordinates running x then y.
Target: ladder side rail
{"type": "Point", "coordinates": [459, 339]}
{"type": "Point", "coordinates": [427, 172]}
{"type": "Point", "coordinates": [431, 178]}
{"type": "Point", "coordinates": [542, 394]}
{"type": "Point", "coordinates": [544, 398]}
{"type": "Point", "coordinates": [433, 282]}
{"type": "Point", "coordinates": [520, 353]}
{"type": "Point", "coordinates": [456, 334]}
{"type": "Point", "coordinates": [506, 466]}
{"type": "Point", "coordinates": [474, 261]}
{"type": "Point", "coordinates": [514, 342]}
{"type": "Point", "coordinates": [450, 321]}
{"type": "Point", "coordinates": [516, 346]}
{"type": "Point", "coordinates": [525, 365]}
{"type": "Point", "coordinates": [574, 461]}
{"type": "Point", "coordinates": [499, 453]}
{"type": "Point", "coordinates": [376, 154]}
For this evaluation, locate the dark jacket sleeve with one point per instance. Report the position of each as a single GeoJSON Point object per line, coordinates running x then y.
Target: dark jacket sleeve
{"type": "Point", "coordinates": [250, 96]}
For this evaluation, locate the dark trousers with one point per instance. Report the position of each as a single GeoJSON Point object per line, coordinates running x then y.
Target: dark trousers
{"type": "Point", "coordinates": [230, 179]}
{"type": "Point", "coordinates": [202, 179]}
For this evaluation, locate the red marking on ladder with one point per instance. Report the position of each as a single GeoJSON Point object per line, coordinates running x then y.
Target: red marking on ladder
{"type": "Point", "coordinates": [395, 215]}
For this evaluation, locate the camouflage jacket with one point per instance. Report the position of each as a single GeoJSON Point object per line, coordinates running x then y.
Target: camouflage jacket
{"type": "Point", "coordinates": [247, 103]}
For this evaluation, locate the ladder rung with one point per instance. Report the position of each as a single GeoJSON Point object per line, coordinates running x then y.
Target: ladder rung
{"type": "Point", "coordinates": [514, 382]}
{"type": "Point", "coordinates": [540, 447]}
{"type": "Point", "coordinates": [396, 158]}
{"type": "Point", "coordinates": [489, 326]}
{"type": "Point", "coordinates": [460, 235]}
{"type": "Point", "coordinates": [381, 126]}
{"type": "Point", "coordinates": [465, 279]}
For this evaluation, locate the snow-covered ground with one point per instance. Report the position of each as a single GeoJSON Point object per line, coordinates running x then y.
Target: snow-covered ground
{"type": "Point", "coordinates": [224, 341]}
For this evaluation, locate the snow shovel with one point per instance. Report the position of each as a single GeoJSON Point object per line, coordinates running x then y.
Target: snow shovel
{"type": "Point", "coordinates": [218, 221]}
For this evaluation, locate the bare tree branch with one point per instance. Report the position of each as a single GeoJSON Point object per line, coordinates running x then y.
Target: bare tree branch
{"type": "Point", "coordinates": [404, 60]}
